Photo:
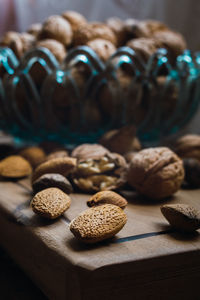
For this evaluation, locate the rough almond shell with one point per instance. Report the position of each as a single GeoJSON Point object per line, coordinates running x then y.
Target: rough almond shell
{"type": "Point", "coordinates": [62, 166]}
{"type": "Point", "coordinates": [50, 203]}
{"type": "Point", "coordinates": [107, 197]}
{"type": "Point", "coordinates": [15, 166]}
{"type": "Point", "coordinates": [182, 216]}
{"type": "Point", "coordinates": [98, 223]}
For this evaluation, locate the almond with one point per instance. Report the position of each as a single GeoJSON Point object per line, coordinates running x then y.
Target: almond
{"type": "Point", "coordinates": [98, 223]}
{"type": "Point", "coordinates": [15, 166]}
{"type": "Point", "coordinates": [182, 216]}
{"type": "Point", "coordinates": [50, 203]}
{"type": "Point", "coordinates": [107, 197]}
{"type": "Point", "coordinates": [35, 155]}
{"type": "Point", "coordinates": [62, 166]}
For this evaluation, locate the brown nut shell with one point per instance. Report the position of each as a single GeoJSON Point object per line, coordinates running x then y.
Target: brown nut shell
{"type": "Point", "coordinates": [103, 48]}
{"type": "Point", "coordinates": [63, 166]}
{"type": "Point", "coordinates": [74, 18]}
{"type": "Point", "coordinates": [98, 223]}
{"type": "Point", "coordinates": [13, 40]}
{"type": "Point", "coordinates": [57, 28]}
{"type": "Point", "coordinates": [52, 180]}
{"type": "Point", "coordinates": [35, 155]}
{"type": "Point", "coordinates": [35, 29]}
{"type": "Point", "coordinates": [156, 172]}
{"type": "Point", "coordinates": [15, 166]}
{"type": "Point", "coordinates": [56, 48]}
{"type": "Point", "coordinates": [89, 151]}
{"type": "Point", "coordinates": [188, 146]}
{"type": "Point", "coordinates": [107, 197]}
{"type": "Point", "coordinates": [50, 203]}
{"type": "Point", "coordinates": [182, 216]}
{"type": "Point", "coordinates": [121, 140]}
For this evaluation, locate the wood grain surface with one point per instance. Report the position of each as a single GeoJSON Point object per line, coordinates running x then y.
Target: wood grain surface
{"type": "Point", "coordinates": [147, 259]}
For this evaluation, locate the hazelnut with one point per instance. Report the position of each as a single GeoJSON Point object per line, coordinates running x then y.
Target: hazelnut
{"type": "Point", "coordinates": [57, 28]}
{"type": "Point", "coordinates": [92, 31]}
{"type": "Point", "coordinates": [103, 48]}
{"type": "Point", "coordinates": [188, 146]}
{"type": "Point", "coordinates": [121, 140]}
{"type": "Point", "coordinates": [74, 18]}
{"type": "Point", "coordinates": [156, 172]}
{"type": "Point", "coordinates": [56, 48]}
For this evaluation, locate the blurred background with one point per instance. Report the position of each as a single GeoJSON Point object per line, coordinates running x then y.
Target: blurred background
{"type": "Point", "coordinates": [181, 15]}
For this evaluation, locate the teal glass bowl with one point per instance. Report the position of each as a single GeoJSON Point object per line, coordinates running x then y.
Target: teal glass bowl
{"type": "Point", "coordinates": [82, 98]}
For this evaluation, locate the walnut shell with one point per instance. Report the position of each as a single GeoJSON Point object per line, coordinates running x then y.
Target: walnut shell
{"type": "Point", "coordinates": [74, 18]}
{"type": "Point", "coordinates": [188, 146]}
{"type": "Point", "coordinates": [92, 31]}
{"type": "Point", "coordinates": [57, 48]}
{"type": "Point", "coordinates": [103, 48]}
{"type": "Point", "coordinates": [57, 28]}
{"type": "Point", "coordinates": [156, 172]}
{"type": "Point", "coordinates": [89, 151]}
{"type": "Point", "coordinates": [121, 140]}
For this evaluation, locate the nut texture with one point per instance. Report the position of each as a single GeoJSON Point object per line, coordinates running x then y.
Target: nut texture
{"type": "Point", "coordinates": [89, 151]}
{"type": "Point", "coordinates": [52, 180]}
{"type": "Point", "coordinates": [56, 48]}
{"type": "Point", "coordinates": [57, 28]}
{"type": "Point", "coordinates": [15, 166]}
{"type": "Point", "coordinates": [156, 172]}
{"type": "Point", "coordinates": [188, 146]}
{"type": "Point", "coordinates": [62, 166]}
{"type": "Point", "coordinates": [98, 223]}
{"type": "Point", "coordinates": [182, 216]}
{"type": "Point", "coordinates": [50, 203]}
{"type": "Point", "coordinates": [107, 197]}
{"type": "Point", "coordinates": [121, 140]}
{"type": "Point", "coordinates": [103, 48]}
{"type": "Point", "coordinates": [74, 18]}
{"type": "Point", "coordinates": [35, 155]}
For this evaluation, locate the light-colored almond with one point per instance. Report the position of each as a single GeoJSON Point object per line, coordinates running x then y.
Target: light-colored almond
{"type": "Point", "coordinates": [15, 166]}
{"type": "Point", "coordinates": [50, 203]}
{"type": "Point", "coordinates": [98, 223]}
{"type": "Point", "coordinates": [35, 155]}
{"type": "Point", "coordinates": [107, 197]}
{"type": "Point", "coordinates": [182, 216]}
{"type": "Point", "coordinates": [62, 166]}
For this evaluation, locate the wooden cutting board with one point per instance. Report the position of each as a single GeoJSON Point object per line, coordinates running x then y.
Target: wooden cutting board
{"type": "Point", "coordinates": [146, 260]}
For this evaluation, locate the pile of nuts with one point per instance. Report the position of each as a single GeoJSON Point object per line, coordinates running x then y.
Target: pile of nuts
{"type": "Point", "coordinates": [59, 33]}
{"type": "Point", "coordinates": [155, 173]}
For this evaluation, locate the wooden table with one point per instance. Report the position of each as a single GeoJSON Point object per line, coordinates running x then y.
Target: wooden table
{"type": "Point", "coordinates": [146, 260]}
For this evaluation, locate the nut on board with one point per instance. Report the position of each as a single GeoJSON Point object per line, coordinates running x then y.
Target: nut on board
{"type": "Point", "coordinates": [107, 197]}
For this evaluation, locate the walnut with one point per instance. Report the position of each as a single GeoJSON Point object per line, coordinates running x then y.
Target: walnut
{"type": "Point", "coordinates": [74, 18]}
{"type": "Point", "coordinates": [156, 172]}
{"type": "Point", "coordinates": [188, 146]}
{"type": "Point", "coordinates": [144, 47]}
{"type": "Point", "coordinates": [28, 41]}
{"type": "Point", "coordinates": [92, 31]}
{"type": "Point", "coordinates": [105, 172]}
{"type": "Point", "coordinates": [121, 140]}
{"type": "Point", "coordinates": [35, 29]}
{"type": "Point", "coordinates": [58, 28]}
{"type": "Point", "coordinates": [173, 41]}
{"type": "Point", "coordinates": [13, 40]}
{"type": "Point", "coordinates": [103, 48]}
{"type": "Point", "coordinates": [118, 27]}
{"type": "Point", "coordinates": [89, 151]}
{"type": "Point", "coordinates": [56, 48]}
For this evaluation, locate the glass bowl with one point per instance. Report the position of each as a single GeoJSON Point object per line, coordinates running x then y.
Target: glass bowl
{"type": "Point", "coordinates": [82, 98]}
